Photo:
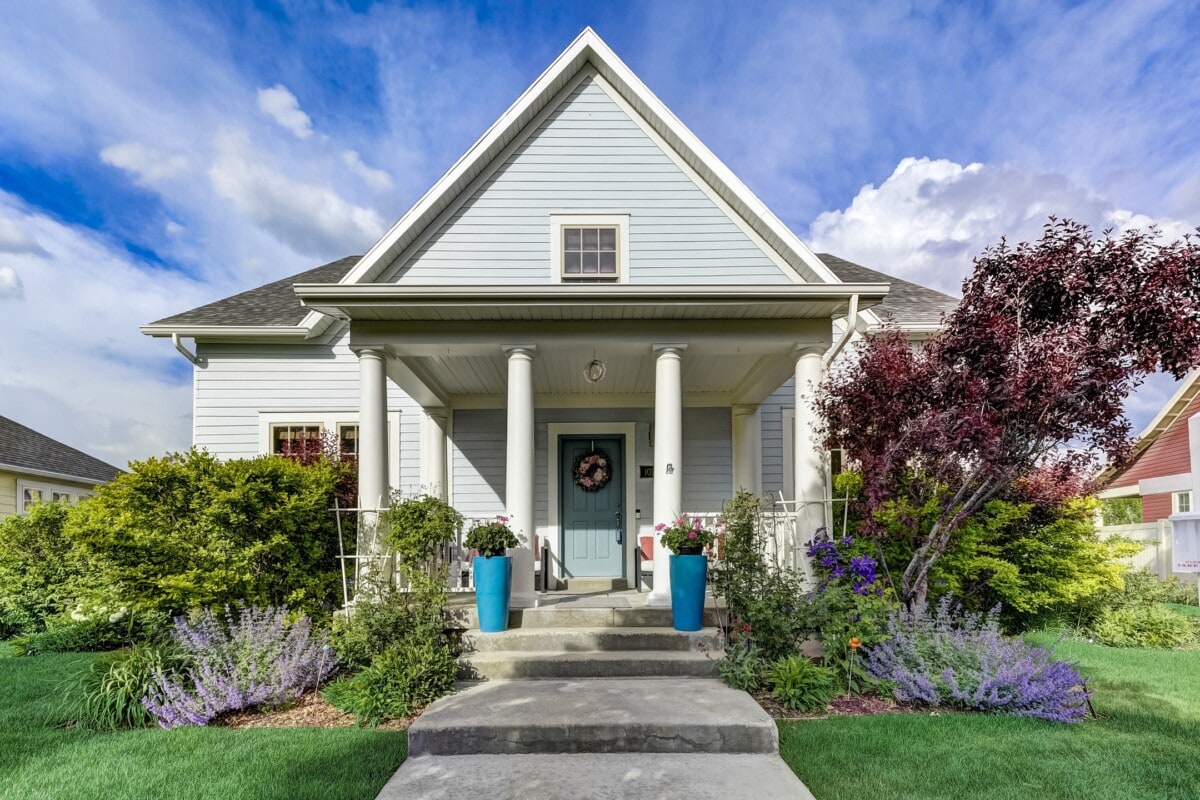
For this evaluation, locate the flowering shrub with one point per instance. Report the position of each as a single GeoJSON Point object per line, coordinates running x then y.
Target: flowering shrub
{"type": "Point", "coordinates": [962, 660]}
{"type": "Point", "coordinates": [685, 533]}
{"type": "Point", "coordinates": [255, 658]}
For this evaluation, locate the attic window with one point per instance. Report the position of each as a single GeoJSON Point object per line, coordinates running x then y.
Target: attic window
{"type": "Point", "coordinates": [590, 248]}
{"type": "Point", "coordinates": [589, 253]}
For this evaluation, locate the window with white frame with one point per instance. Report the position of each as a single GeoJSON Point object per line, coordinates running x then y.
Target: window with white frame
{"type": "Point", "coordinates": [1181, 502]}
{"type": "Point", "coordinates": [30, 493]}
{"type": "Point", "coordinates": [296, 439]}
{"type": "Point", "coordinates": [348, 439]}
{"type": "Point", "coordinates": [589, 248]}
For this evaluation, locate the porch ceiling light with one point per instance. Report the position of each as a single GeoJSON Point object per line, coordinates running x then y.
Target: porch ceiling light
{"type": "Point", "coordinates": [595, 371]}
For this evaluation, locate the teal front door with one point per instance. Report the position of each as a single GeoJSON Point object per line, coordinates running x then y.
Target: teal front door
{"type": "Point", "coordinates": [590, 506]}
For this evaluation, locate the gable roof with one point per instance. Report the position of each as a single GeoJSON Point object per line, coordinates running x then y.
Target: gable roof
{"type": "Point", "coordinates": [23, 449]}
{"type": "Point", "coordinates": [272, 304]}
{"type": "Point", "coordinates": [1166, 417]}
{"type": "Point", "coordinates": [587, 49]}
{"type": "Point", "coordinates": [907, 304]}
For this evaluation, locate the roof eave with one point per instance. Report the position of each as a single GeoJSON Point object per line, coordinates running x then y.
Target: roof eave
{"type": "Point", "coordinates": [52, 475]}
{"type": "Point", "coordinates": [191, 331]}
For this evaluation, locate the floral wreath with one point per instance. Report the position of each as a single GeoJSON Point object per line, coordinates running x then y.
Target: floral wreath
{"type": "Point", "coordinates": [592, 470]}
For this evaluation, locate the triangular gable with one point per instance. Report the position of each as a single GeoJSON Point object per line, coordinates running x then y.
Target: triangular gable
{"type": "Point", "coordinates": [588, 154]}
{"type": "Point", "coordinates": [587, 48]}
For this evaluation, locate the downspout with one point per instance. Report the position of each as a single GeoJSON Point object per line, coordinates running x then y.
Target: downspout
{"type": "Point", "coordinates": [188, 354]}
{"type": "Point", "coordinates": [851, 327]}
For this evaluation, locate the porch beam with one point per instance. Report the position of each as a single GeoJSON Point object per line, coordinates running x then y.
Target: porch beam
{"type": "Point", "coordinates": [417, 383]}
{"type": "Point", "coordinates": [668, 458]}
{"type": "Point", "coordinates": [519, 466]}
{"type": "Point", "coordinates": [809, 470]}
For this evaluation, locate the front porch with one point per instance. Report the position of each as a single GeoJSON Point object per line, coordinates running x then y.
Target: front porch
{"type": "Point", "coordinates": [667, 382]}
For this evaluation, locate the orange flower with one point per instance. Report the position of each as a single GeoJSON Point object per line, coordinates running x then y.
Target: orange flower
{"type": "Point", "coordinates": [854, 642]}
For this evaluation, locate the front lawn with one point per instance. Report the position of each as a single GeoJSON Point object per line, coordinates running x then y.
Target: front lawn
{"type": "Point", "coordinates": [1143, 745]}
{"type": "Point", "coordinates": [38, 760]}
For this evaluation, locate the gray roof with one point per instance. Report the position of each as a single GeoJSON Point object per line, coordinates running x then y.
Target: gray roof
{"type": "Point", "coordinates": [272, 304]}
{"type": "Point", "coordinates": [906, 304]}
{"type": "Point", "coordinates": [23, 447]}
{"type": "Point", "coordinates": [276, 303]}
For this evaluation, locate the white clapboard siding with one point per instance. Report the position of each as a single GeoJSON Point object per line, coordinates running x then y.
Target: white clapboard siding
{"type": "Point", "coordinates": [311, 379]}
{"type": "Point", "coordinates": [588, 155]}
{"type": "Point", "coordinates": [478, 458]}
{"type": "Point", "coordinates": [772, 412]}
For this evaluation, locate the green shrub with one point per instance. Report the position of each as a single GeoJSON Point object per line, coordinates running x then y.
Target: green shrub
{"type": "Point", "coordinates": [799, 684]}
{"type": "Point", "coordinates": [1145, 626]}
{"type": "Point", "coordinates": [73, 636]}
{"type": "Point", "coordinates": [109, 695]}
{"type": "Point", "coordinates": [42, 573]}
{"type": "Point", "coordinates": [492, 539]}
{"type": "Point", "coordinates": [419, 527]}
{"type": "Point", "coordinates": [372, 626]}
{"type": "Point", "coordinates": [743, 667]}
{"type": "Point", "coordinates": [188, 531]}
{"type": "Point", "coordinates": [400, 681]}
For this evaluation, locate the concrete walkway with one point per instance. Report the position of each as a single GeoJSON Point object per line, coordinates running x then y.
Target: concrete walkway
{"type": "Point", "coordinates": [595, 738]}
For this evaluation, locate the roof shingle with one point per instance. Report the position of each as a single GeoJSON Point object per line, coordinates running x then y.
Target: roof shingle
{"type": "Point", "coordinates": [906, 304]}
{"type": "Point", "coordinates": [24, 447]}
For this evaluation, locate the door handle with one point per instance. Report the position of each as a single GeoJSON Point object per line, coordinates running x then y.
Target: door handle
{"type": "Point", "coordinates": [620, 533]}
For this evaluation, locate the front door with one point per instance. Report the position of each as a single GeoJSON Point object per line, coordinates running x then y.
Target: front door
{"type": "Point", "coordinates": [591, 489]}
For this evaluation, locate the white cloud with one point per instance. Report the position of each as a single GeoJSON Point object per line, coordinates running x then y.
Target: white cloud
{"type": "Point", "coordinates": [15, 240]}
{"type": "Point", "coordinates": [930, 218]}
{"type": "Point", "coordinates": [376, 179]}
{"type": "Point", "coordinates": [282, 106]}
{"type": "Point", "coordinates": [75, 365]}
{"type": "Point", "coordinates": [11, 287]}
{"type": "Point", "coordinates": [305, 216]}
{"type": "Point", "coordinates": [148, 165]}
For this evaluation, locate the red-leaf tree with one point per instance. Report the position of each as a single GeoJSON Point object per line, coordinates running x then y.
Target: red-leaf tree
{"type": "Point", "coordinates": [1025, 382]}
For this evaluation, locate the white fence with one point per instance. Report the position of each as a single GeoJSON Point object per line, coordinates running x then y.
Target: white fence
{"type": "Point", "coordinates": [1155, 538]}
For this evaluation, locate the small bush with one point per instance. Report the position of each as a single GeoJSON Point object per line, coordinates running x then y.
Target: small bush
{"type": "Point", "coordinates": [66, 635]}
{"type": "Point", "coordinates": [743, 667]}
{"type": "Point", "coordinates": [251, 659]}
{"type": "Point", "coordinates": [109, 695]}
{"type": "Point", "coordinates": [801, 685]}
{"type": "Point", "coordinates": [400, 681]}
{"type": "Point", "coordinates": [41, 572]}
{"type": "Point", "coordinates": [947, 658]}
{"type": "Point", "coordinates": [420, 527]}
{"type": "Point", "coordinates": [1145, 626]}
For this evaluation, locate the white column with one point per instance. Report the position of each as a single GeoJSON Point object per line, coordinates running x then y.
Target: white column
{"type": "Point", "coordinates": [518, 473]}
{"type": "Point", "coordinates": [372, 454]}
{"type": "Point", "coordinates": [747, 448]}
{"type": "Point", "coordinates": [433, 452]}
{"type": "Point", "coordinates": [809, 470]}
{"type": "Point", "coordinates": [668, 459]}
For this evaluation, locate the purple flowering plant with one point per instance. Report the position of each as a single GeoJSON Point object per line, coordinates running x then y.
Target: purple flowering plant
{"type": "Point", "coordinates": [945, 657]}
{"type": "Point", "coordinates": [238, 660]}
{"type": "Point", "coordinates": [685, 533]}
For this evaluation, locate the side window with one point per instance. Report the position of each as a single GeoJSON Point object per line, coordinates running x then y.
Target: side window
{"type": "Point", "coordinates": [295, 440]}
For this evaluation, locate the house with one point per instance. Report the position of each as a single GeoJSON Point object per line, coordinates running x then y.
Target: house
{"type": "Point", "coordinates": [35, 468]}
{"type": "Point", "coordinates": [1160, 470]}
{"type": "Point", "coordinates": [587, 284]}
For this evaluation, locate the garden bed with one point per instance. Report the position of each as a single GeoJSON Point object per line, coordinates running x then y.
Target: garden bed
{"type": "Point", "coordinates": [310, 711]}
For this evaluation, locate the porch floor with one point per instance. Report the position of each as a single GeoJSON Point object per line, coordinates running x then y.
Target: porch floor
{"type": "Point", "coordinates": [621, 608]}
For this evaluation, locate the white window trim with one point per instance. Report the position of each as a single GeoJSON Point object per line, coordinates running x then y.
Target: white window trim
{"type": "Point", "coordinates": [74, 493]}
{"type": "Point", "coordinates": [1175, 496]}
{"type": "Point", "coordinates": [329, 419]}
{"type": "Point", "coordinates": [589, 219]}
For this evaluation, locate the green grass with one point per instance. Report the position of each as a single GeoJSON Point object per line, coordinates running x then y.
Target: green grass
{"type": "Point", "coordinates": [38, 760]}
{"type": "Point", "coordinates": [1144, 744]}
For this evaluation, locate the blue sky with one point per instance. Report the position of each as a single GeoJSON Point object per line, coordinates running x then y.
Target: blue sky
{"type": "Point", "coordinates": [153, 158]}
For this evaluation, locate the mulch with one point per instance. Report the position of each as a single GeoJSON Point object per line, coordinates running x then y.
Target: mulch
{"type": "Point", "coordinates": [309, 711]}
{"type": "Point", "coordinates": [846, 706]}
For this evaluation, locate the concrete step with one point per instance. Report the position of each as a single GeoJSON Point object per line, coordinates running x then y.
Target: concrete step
{"type": "Point", "coordinates": [599, 715]}
{"type": "Point", "coordinates": [567, 616]}
{"type": "Point", "coordinates": [594, 584]}
{"type": "Point", "coordinates": [514, 665]}
{"type": "Point", "coordinates": [581, 640]}
{"type": "Point", "coordinates": [596, 776]}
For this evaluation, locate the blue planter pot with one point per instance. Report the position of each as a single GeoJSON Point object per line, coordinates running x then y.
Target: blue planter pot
{"type": "Point", "coordinates": [688, 577]}
{"type": "Point", "coordinates": [493, 588]}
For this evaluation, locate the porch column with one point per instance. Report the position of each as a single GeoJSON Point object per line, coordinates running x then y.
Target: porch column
{"type": "Point", "coordinates": [372, 454]}
{"type": "Point", "coordinates": [518, 473]}
{"type": "Point", "coordinates": [668, 459]}
{"type": "Point", "coordinates": [809, 469]}
{"type": "Point", "coordinates": [747, 448]}
{"type": "Point", "coordinates": [433, 452]}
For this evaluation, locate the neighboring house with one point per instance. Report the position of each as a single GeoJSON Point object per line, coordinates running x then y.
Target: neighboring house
{"type": "Point", "coordinates": [587, 277]}
{"type": "Point", "coordinates": [1160, 470]}
{"type": "Point", "coordinates": [35, 468]}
